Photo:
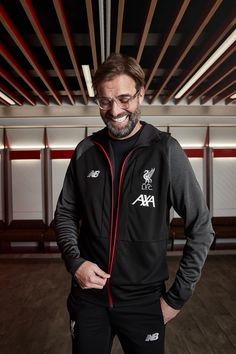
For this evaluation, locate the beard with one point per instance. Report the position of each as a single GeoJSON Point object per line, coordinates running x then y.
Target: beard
{"type": "Point", "coordinates": [123, 131]}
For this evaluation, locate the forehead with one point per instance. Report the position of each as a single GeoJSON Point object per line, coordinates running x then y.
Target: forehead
{"type": "Point", "coordinates": [119, 85]}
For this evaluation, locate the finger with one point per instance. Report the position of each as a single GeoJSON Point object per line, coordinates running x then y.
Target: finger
{"type": "Point", "coordinates": [96, 279]}
{"type": "Point", "coordinates": [93, 286]}
{"type": "Point", "coordinates": [93, 283]}
{"type": "Point", "coordinates": [101, 273]}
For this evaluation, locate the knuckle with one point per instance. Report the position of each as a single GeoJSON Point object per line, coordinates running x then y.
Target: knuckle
{"type": "Point", "coordinates": [90, 278]}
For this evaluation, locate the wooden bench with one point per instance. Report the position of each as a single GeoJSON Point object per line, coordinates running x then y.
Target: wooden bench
{"type": "Point", "coordinates": [36, 231]}
{"type": "Point", "coordinates": [49, 235]}
{"type": "Point", "coordinates": [225, 228]}
{"type": "Point", "coordinates": [26, 232]}
{"type": "Point", "coordinates": [22, 231]}
{"type": "Point", "coordinates": [176, 233]}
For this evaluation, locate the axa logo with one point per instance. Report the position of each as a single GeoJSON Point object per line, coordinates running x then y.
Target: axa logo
{"type": "Point", "coordinates": [147, 175]}
{"type": "Point", "coordinates": [152, 337]}
{"type": "Point", "coordinates": [93, 174]}
{"type": "Point", "coordinates": [145, 200]}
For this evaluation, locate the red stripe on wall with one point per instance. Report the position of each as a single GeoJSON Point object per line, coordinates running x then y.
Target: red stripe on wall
{"type": "Point", "coordinates": [194, 152]}
{"type": "Point", "coordinates": [61, 154]}
{"type": "Point", "coordinates": [224, 152]}
{"type": "Point", "coordinates": [67, 154]}
{"type": "Point", "coordinates": [25, 155]}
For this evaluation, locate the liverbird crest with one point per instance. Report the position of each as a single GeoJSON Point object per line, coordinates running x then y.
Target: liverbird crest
{"type": "Point", "coordinates": [148, 179]}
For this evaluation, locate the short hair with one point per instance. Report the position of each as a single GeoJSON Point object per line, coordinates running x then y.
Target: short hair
{"type": "Point", "coordinates": [119, 64]}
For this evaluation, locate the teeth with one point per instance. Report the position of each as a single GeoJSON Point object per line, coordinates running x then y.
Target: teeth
{"type": "Point", "coordinates": [120, 120]}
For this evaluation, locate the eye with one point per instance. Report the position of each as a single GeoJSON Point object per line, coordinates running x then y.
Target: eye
{"type": "Point", "coordinates": [124, 99]}
{"type": "Point", "coordinates": [104, 101]}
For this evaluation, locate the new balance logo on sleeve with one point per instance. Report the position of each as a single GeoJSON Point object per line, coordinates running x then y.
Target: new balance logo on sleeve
{"type": "Point", "coordinates": [152, 337]}
{"type": "Point", "coordinates": [93, 174]}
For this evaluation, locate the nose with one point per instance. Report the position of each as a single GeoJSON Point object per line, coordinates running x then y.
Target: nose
{"type": "Point", "coordinates": [115, 109]}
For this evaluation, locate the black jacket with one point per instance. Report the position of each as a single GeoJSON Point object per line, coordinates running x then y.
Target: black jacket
{"type": "Point", "coordinates": [129, 241]}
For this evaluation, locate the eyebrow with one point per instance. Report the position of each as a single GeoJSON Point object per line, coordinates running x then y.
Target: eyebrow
{"type": "Point", "coordinates": [122, 94]}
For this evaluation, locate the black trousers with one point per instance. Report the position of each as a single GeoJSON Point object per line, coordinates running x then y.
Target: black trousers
{"type": "Point", "coordinates": [140, 329]}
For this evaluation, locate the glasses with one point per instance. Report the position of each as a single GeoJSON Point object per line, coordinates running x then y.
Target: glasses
{"type": "Point", "coordinates": [123, 101]}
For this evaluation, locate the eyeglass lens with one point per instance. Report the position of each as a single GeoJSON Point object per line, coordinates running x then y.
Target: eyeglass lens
{"type": "Point", "coordinates": [122, 101]}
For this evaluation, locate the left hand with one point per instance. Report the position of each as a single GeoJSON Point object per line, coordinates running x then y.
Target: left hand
{"type": "Point", "coordinates": [168, 312]}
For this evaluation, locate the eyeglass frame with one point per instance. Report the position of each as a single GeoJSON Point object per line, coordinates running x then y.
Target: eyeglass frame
{"type": "Point", "coordinates": [116, 99]}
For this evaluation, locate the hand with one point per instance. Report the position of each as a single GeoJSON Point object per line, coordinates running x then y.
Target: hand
{"type": "Point", "coordinates": [168, 312]}
{"type": "Point", "coordinates": [90, 276]}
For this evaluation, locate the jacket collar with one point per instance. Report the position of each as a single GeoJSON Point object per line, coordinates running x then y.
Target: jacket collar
{"type": "Point", "coordinates": [149, 135]}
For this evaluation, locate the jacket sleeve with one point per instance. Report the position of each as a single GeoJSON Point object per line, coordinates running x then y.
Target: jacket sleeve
{"type": "Point", "coordinates": [189, 202]}
{"type": "Point", "coordinates": [67, 219]}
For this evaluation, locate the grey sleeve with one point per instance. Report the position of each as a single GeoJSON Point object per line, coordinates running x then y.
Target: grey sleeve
{"type": "Point", "coordinates": [189, 202]}
{"type": "Point", "coordinates": [67, 218]}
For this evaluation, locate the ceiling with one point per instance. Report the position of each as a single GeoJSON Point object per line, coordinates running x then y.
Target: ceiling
{"type": "Point", "coordinates": [45, 43]}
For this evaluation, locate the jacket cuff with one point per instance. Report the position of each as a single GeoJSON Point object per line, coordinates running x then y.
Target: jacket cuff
{"type": "Point", "coordinates": [177, 297]}
{"type": "Point", "coordinates": [74, 264]}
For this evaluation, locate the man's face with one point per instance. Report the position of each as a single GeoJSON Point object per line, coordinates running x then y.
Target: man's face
{"type": "Point", "coordinates": [121, 119]}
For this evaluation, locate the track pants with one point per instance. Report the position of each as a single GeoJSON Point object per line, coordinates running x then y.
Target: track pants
{"type": "Point", "coordinates": [140, 329]}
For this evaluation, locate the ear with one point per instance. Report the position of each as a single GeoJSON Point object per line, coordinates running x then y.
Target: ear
{"type": "Point", "coordinates": [141, 94]}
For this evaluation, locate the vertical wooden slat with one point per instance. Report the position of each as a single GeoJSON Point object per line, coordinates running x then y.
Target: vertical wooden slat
{"type": "Point", "coordinates": [225, 94]}
{"type": "Point", "coordinates": [11, 94]}
{"type": "Point", "coordinates": [89, 9]}
{"type": "Point", "coordinates": [214, 66]}
{"type": "Point", "coordinates": [17, 86]}
{"type": "Point", "coordinates": [7, 197]}
{"type": "Point", "coordinates": [188, 43]}
{"type": "Point", "coordinates": [210, 44]}
{"type": "Point", "coordinates": [217, 91]}
{"type": "Point", "coordinates": [147, 25]}
{"type": "Point", "coordinates": [19, 40]}
{"type": "Point", "coordinates": [69, 43]}
{"type": "Point", "coordinates": [119, 25]}
{"type": "Point", "coordinates": [29, 9]}
{"type": "Point", "coordinates": [22, 73]}
{"type": "Point", "coordinates": [166, 41]}
{"type": "Point", "coordinates": [212, 82]}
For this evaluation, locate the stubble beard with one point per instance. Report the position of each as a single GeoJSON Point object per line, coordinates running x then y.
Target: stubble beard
{"type": "Point", "coordinates": [125, 131]}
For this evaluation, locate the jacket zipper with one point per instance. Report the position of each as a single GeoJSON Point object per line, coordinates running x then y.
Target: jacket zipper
{"type": "Point", "coordinates": [112, 241]}
{"type": "Point", "coordinates": [111, 223]}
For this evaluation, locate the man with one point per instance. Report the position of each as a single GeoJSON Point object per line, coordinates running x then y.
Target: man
{"type": "Point", "coordinates": [112, 222]}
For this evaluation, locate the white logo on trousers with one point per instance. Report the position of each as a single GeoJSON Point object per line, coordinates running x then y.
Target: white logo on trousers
{"type": "Point", "coordinates": [152, 337]}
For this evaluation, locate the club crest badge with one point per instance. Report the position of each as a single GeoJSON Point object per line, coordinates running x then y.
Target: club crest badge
{"type": "Point", "coordinates": [147, 185]}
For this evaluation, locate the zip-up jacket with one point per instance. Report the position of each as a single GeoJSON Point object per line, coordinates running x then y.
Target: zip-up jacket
{"type": "Point", "coordinates": [129, 240]}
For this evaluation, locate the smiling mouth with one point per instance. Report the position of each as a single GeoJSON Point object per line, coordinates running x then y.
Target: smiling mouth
{"type": "Point", "coordinates": [120, 119]}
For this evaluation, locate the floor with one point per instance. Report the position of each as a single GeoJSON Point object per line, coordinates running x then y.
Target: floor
{"type": "Point", "coordinates": [33, 317]}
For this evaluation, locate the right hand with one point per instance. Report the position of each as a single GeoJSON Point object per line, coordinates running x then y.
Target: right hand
{"type": "Point", "coordinates": [90, 276]}
{"type": "Point", "coordinates": [168, 312]}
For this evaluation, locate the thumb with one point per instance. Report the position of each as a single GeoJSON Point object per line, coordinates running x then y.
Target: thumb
{"type": "Point", "coordinates": [101, 273]}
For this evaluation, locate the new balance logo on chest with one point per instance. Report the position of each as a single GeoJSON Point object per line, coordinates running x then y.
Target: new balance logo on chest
{"type": "Point", "coordinates": [93, 174]}
{"type": "Point", "coordinates": [145, 200]}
